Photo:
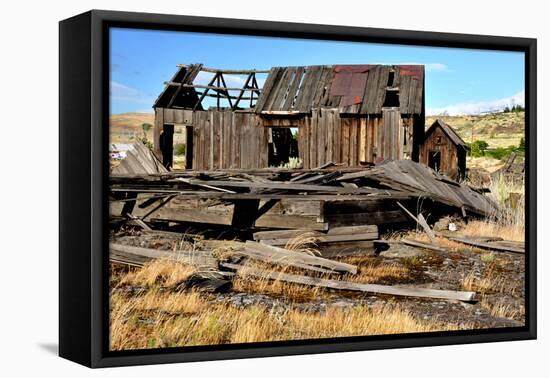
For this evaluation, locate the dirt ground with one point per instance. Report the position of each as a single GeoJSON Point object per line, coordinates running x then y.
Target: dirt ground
{"type": "Point", "coordinates": [497, 278]}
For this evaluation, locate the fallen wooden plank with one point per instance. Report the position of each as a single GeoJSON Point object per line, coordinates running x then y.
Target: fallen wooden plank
{"type": "Point", "coordinates": [281, 255]}
{"type": "Point", "coordinates": [324, 239]}
{"type": "Point", "coordinates": [138, 221]}
{"type": "Point", "coordinates": [467, 296]}
{"type": "Point", "coordinates": [197, 258]}
{"type": "Point", "coordinates": [287, 234]}
{"type": "Point", "coordinates": [349, 248]}
{"type": "Point", "coordinates": [497, 246]}
{"type": "Point", "coordinates": [282, 261]}
{"type": "Point", "coordinates": [282, 185]}
{"type": "Point", "coordinates": [415, 243]}
{"type": "Point", "coordinates": [422, 222]}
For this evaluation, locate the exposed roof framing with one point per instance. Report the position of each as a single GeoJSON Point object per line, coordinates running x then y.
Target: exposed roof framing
{"type": "Point", "coordinates": [353, 89]}
{"type": "Point", "coordinates": [182, 92]}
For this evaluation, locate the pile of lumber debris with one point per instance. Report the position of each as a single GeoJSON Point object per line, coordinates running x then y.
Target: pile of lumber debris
{"type": "Point", "coordinates": [256, 215]}
{"type": "Point", "coordinates": [242, 253]}
{"type": "Point", "coordinates": [315, 199]}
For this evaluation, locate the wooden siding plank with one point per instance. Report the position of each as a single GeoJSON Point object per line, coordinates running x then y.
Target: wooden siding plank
{"type": "Point", "coordinates": [404, 89]}
{"type": "Point", "coordinates": [363, 140]}
{"type": "Point", "coordinates": [381, 89]}
{"type": "Point", "coordinates": [266, 90]}
{"type": "Point", "coordinates": [282, 88]}
{"type": "Point", "coordinates": [289, 101]}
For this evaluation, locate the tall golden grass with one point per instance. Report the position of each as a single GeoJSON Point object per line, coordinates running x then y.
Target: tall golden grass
{"type": "Point", "coordinates": [183, 319]}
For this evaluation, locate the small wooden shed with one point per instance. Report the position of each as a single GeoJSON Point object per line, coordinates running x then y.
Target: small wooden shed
{"type": "Point", "coordinates": [350, 114]}
{"type": "Point", "coordinates": [444, 150]}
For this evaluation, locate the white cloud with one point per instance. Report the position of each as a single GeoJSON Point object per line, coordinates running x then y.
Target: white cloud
{"type": "Point", "coordinates": [124, 93]}
{"type": "Point", "coordinates": [436, 67]}
{"type": "Point", "coordinates": [480, 106]}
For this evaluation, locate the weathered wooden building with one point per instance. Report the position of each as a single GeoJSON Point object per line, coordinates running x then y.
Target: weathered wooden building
{"type": "Point", "coordinates": [444, 150]}
{"type": "Point", "coordinates": [351, 114]}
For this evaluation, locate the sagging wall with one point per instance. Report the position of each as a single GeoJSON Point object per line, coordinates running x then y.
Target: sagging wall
{"type": "Point", "coordinates": [223, 139]}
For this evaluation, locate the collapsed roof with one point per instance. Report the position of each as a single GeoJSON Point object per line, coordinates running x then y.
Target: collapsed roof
{"type": "Point", "coordinates": [353, 89]}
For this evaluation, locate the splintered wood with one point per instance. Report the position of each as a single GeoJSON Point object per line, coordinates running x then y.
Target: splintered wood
{"type": "Point", "coordinates": [335, 209]}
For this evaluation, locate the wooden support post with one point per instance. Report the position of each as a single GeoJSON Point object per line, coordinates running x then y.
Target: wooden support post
{"type": "Point", "coordinates": [129, 205]}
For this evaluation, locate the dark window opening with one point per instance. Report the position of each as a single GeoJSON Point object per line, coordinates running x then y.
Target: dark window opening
{"type": "Point", "coordinates": [434, 160]}
{"type": "Point", "coordinates": [283, 145]}
{"type": "Point", "coordinates": [392, 99]}
{"type": "Point", "coordinates": [391, 77]}
{"type": "Point", "coordinates": [438, 140]}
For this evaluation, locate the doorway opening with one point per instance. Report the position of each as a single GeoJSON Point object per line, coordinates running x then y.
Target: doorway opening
{"type": "Point", "coordinates": [434, 160]}
{"type": "Point", "coordinates": [181, 145]}
{"type": "Point", "coordinates": [176, 146]}
{"type": "Point", "coordinates": [283, 147]}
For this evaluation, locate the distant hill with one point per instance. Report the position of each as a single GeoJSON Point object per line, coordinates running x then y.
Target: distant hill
{"type": "Point", "coordinates": [497, 129]}
{"type": "Point", "coordinates": [126, 127]}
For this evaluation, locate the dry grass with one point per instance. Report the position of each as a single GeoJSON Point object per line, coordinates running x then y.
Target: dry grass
{"type": "Point", "coordinates": [502, 310]}
{"type": "Point", "coordinates": [498, 129]}
{"type": "Point", "coordinates": [306, 243]}
{"type": "Point", "coordinates": [370, 270]}
{"type": "Point", "coordinates": [163, 273]}
{"type": "Point", "coordinates": [491, 281]}
{"type": "Point", "coordinates": [182, 319]}
{"type": "Point", "coordinates": [514, 232]}
{"type": "Point", "coordinates": [162, 318]}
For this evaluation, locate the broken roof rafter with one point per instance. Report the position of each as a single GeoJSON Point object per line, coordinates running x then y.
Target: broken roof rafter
{"type": "Point", "coordinates": [229, 72]}
{"type": "Point", "coordinates": [181, 92]}
{"type": "Point", "coordinates": [353, 89]}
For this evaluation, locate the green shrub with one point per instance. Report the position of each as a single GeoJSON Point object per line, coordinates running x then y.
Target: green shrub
{"type": "Point", "coordinates": [146, 127]}
{"type": "Point", "coordinates": [478, 148]}
{"type": "Point", "coordinates": [179, 149]}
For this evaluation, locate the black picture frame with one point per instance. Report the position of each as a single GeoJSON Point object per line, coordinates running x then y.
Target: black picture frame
{"type": "Point", "coordinates": [83, 166]}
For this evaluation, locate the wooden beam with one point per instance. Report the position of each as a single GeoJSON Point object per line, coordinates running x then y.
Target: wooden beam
{"type": "Point", "coordinates": [276, 255]}
{"type": "Point", "coordinates": [213, 87]}
{"type": "Point", "coordinates": [197, 258]}
{"type": "Point", "coordinates": [422, 222]}
{"type": "Point", "coordinates": [493, 246]}
{"type": "Point", "coordinates": [234, 72]}
{"type": "Point", "coordinates": [203, 95]}
{"type": "Point", "coordinates": [350, 230]}
{"type": "Point", "coordinates": [466, 296]}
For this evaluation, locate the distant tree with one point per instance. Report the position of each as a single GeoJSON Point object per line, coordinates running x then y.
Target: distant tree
{"type": "Point", "coordinates": [506, 109]}
{"type": "Point", "coordinates": [478, 148]}
{"type": "Point", "coordinates": [146, 127]}
{"type": "Point", "coordinates": [517, 108]}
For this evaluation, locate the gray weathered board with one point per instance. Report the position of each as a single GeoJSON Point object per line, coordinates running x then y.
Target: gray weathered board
{"type": "Point", "coordinates": [466, 296]}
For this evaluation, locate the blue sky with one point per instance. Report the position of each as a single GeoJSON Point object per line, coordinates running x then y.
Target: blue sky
{"type": "Point", "coordinates": [458, 81]}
